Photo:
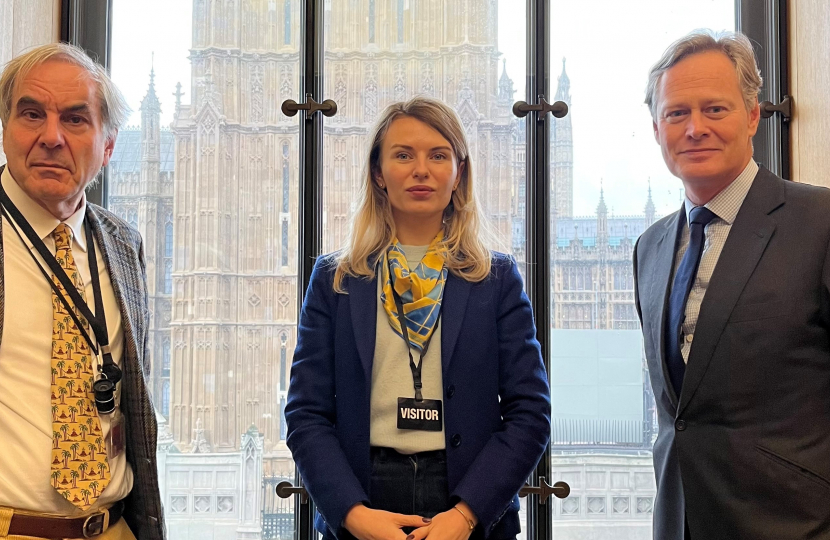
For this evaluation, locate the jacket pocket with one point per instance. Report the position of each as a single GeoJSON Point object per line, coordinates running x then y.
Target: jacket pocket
{"type": "Point", "coordinates": [796, 468]}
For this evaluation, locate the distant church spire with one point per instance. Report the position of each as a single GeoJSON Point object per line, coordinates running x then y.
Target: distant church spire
{"type": "Point", "coordinates": [602, 220]}
{"type": "Point", "coordinates": [602, 209]}
{"type": "Point", "coordinates": [561, 152]}
{"type": "Point", "coordinates": [151, 104]}
{"type": "Point", "coordinates": [506, 90]}
{"type": "Point", "coordinates": [563, 91]}
{"type": "Point", "coordinates": [650, 209]}
{"type": "Point", "coordinates": [150, 137]}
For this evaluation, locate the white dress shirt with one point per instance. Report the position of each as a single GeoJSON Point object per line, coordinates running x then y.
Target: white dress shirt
{"type": "Point", "coordinates": [725, 205]}
{"type": "Point", "coordinates": [26, 362]}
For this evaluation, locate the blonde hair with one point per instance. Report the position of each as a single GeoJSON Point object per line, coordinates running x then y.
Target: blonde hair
{"type": "Point", "coordinates": [372, 228]}
{"type": "Point", "coordinates": [734, 45]}
{"type": "Point", "coordinates": [113, 107]}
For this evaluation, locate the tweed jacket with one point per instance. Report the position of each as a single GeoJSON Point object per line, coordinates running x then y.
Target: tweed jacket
{"type": "Point", "coordinates": [123, 255]}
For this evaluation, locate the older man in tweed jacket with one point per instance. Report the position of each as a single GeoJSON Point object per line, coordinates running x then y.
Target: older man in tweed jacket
{"type": "Point", "coordinates": [60, 114]}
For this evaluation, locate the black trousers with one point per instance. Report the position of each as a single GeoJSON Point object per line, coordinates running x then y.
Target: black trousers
{"type": "Point", "coordinates": [413, 484]}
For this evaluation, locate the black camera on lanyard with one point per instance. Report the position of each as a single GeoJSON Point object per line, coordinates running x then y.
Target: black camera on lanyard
{"type": "Point", "coordinates": [104, 388]}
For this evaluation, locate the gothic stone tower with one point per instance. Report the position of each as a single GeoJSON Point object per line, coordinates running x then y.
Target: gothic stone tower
{"type": "Point", "coordinates": [562, 153]}
{"type": "Point", "coordinates": [141, 192]}
{"type": "Point", "coordinates": [379, 52]}
{"type": "Point", "coordinates": [234, 270]}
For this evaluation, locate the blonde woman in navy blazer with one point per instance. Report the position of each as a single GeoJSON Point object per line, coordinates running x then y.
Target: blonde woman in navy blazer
{"type": "Point", "coordinates": [494, 392]}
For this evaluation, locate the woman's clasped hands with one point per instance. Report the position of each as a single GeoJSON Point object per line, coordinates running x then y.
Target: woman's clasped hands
{"type": "Point", "coordinates": [369, 524]}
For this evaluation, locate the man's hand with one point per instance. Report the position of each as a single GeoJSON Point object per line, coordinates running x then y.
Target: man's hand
{"type": "Point", "coordinates": [449, 525]}
{"type": "Point", "coordinates": [367, 524]}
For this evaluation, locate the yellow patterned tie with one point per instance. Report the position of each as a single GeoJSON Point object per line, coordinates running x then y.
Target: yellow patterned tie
{"type": "Point", "coordinates": [80, 470]}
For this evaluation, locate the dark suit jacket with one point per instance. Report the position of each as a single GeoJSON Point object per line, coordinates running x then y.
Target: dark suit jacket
{"type": "Point", "coordinates": [744, 452]}
{"type": "Point", "coordinates": [496, 394]}
{"type": "Point", "coordinates": [121, 248]}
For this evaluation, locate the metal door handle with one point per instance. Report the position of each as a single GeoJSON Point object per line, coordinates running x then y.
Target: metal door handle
{"type": "Point", "coordinates": [545, 490]}
{"type": "Point", "coordinates": [785, 108]}
{"type": "Point", "coordinates": [558, 109]}
{"type": "Point", "coordinates": [291, 107]}
{"type": "Point", "coordinates": [287, 489]}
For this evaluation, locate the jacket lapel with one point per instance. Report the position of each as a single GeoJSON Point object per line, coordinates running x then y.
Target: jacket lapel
{"type": "Point", "coordinates": [363, 303]}
{"type": "Point", "coordinates": [665, 249]}
{"type": "Point", "coordinates": [110, 246]}
{"type": "Point", "coordinates": [453, 308]}
{"type": "Point", "coordinates": [751, 232]}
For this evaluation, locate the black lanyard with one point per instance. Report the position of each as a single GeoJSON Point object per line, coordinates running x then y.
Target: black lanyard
{"type": "Point", "coordinates": [416, 370]}
{"type": "Point", "coordinates": [97, 322]}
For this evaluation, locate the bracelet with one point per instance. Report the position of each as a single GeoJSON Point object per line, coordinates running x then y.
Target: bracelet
{"type": "Point", "coordinates": [468, 520]}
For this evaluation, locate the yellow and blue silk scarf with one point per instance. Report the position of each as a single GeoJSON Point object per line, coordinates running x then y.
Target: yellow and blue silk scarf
{"type": "Point", "coordinates": [421, 290]}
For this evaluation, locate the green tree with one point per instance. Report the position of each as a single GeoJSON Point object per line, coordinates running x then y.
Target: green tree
{"type": "Point", "coordinates": [75, 447]}
{"type": "Point", "coordinates": [83, 429]}
{"type": "Point", "coordinates": [54, 413]}
{"type": "Point", "coordinates": [62, 392]}
{"type": "Point", "coordinates": [92, 449]}
{"type": "Point", "coordinates": [82, 469]}
{"type": "Point", "coordinates": [60, 365]}
{"type": "Point", "coordinates": [66, 455]}
{"type": "Point", "coordinates": [85, 494]}
{"type": "Point", "coordinates": [94, 487]}
{"type": "Point", "coordinates": [74, 476]}
{"type": "Point", "coordinates": [64, 428]}
{"type": "Point", "coordinates": [72, 412]}
{"type": "Point", "coordinates": [54, 374]}
{"type": "Point", "coordinates": [56, 475]}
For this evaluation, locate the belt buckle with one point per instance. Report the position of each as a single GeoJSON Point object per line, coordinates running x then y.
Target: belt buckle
{"type": "Point", "coordinates": [94, 525]}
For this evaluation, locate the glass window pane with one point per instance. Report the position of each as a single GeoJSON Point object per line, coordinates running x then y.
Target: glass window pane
{"type": "Point", "coordinates": [609, 183]}
{"type": "Point", "coordinates": [207, 171]}
{"type": "Point", "coordinates": [476, 65]}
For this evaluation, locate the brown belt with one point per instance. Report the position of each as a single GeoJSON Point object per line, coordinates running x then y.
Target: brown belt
{"type": "Point", "coordinates": [56, 527]}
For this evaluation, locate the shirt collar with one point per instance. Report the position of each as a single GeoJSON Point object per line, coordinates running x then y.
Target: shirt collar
{"type": "Point", "coordinates": [39, 218]}
{"type": "Point", "coordinates": [727, 203]}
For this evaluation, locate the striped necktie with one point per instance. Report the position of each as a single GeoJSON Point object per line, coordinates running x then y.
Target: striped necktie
{"type": "Point", "coordinates": [684, 277]}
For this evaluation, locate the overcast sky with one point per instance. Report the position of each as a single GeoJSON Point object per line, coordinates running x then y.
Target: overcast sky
{"type": "Point", "coordinates": [609, 46]}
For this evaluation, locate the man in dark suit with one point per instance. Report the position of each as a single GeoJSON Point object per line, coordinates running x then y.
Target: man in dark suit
{"type": "Point", "coordinates": [73, 301]}
{"type": "Point", "coordinates": [735, 312]}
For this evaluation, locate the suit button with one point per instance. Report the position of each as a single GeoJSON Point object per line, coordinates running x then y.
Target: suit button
{"type": "Point", "coordinates": [456, 440]}
{"type": "Point", "coordinates": [450, 391]}
{"type": "Point", "coordinates": [680, 425]}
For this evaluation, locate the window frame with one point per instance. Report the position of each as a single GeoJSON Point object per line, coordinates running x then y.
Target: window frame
{"type": "Point", "coordinates": [88, 24]}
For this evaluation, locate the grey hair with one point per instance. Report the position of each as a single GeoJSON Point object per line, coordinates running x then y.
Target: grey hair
{"type": "Point", "coordinates": [734, 45]}
{"type": "Point", "coordinates": [114, 108]}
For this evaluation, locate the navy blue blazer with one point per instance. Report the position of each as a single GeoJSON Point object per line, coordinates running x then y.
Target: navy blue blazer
{"type": "Point", "coordinates": [496, 394]}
